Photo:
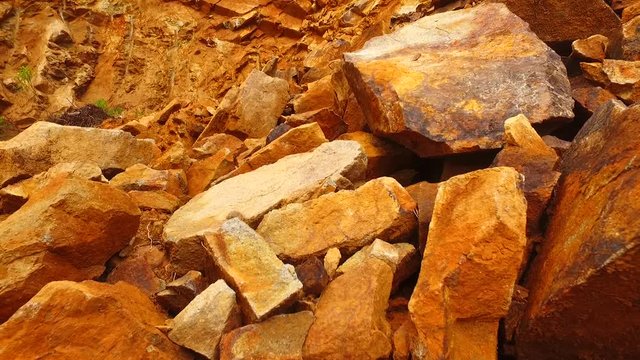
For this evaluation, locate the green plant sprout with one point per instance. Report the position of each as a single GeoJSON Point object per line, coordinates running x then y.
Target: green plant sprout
{"type": "Point", "coordinates": [111, 111]}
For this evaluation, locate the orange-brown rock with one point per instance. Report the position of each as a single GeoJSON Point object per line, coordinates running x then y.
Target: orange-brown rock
{"type": "Point", "coordinates": [202, 323]}
{"type": "Point", "coordinates": [66, 231]}
{"type": "Point", "coordinates": [264, 283]}
{"type": "Point", "coordinates": [589, 96]}
{"type": "Point", "coordinates": [179, 292]}
{"type": "Point", "coordinates": [330, 167]}
{"type": "Point", "coordinates": [348, 220]}
{"type": "Point", "coordinates": [384, 157]}
{"type": "Point", "coordinates": [424, 194]}
{"type": "Point", "coordinates": [278, 338]}
{"type": "Point", "coordinates": [332, 124]}
{"type": "Point", "coordinates": [405, 81]}
{"type": "Point", "coordinates": [313, 276]}
{"type": "Point", "coordinates": [297, 140]}
{"type": "Point", "coordinates": [331, 261]}
{"type": "Point", "coordinates": [87, 320]}
{"type": "Point", "coordinates": [203, 173]}
{"type": "Point", "coordinates": [557, 144]}
{"type": "Point", "coordinates": [618, 76]}
{"type": "Point", "coordinates": [138, 269]}
{"type": "Point", "coordinates": [350, 317]}
{"type": "Point", "coordinates": [582, 301]}
{"type": "Point", "coordinates": [44, 145]}
{"type": "Point", "coordinates": [593, 48]}
{"type": "Point", "coordinates": [210, 145]}
{"type": "Point", "coordinates": [155, 200]}
{"type": "Point", "coordinates": [631, 37]}
{"type": "Point", "coordinates": [526, 152]}
{"type": "Point", "coordinates": [567, 20]}
{"type": "Point", "coordinates": [175, 157]}
{"type": "Point", "coordinates": [467, 277]}
{"type": "Point", "coordinates": [140, 177]}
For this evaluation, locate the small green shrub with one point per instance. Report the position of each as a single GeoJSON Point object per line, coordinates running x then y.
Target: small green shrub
{"type": "Point", "coordinates": [25, 75]}
{"type": "Point", "coordinates": [111, 111]}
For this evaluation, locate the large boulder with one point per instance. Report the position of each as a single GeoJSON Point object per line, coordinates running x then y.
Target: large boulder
{"type": "Point", "coordinates": [295, 178]}
{"type": "Point", "coordinates": [473, 256]}
{"type": "Point", "coordinates": [87, 320]}
{"type": "Point", "coordinates": [348, 220]}
{"type": "Point", "coordinates": [45, 144]}
{"type": "Point", "coordinates": [583, 290]}
{"type": "Point", "coordinates": [444, 84]}
{"type": "Point", "coordinates": [66, 231]}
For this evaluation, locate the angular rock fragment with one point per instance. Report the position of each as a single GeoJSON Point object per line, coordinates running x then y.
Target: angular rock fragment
{"type": "Point", "coordinates": [588, 96]}
{"type": "Point", "coordinates": [203, 173]}
{"type": "Point", "coordinates": [424, 194]}
{"type": "Point", "coordinates": [526, 152]}
{"type": "Point", "coordinates": [485, 58]}
{"type": "Point", "coordinates": [212, 144]}
{"type": "Point", "coordinates": [618, 76]}
{"type": "Point", "coordinates": [175, 157]}
{"type": "Point", "coordinates": [155, 200]}
{"type": "Point", "coordinates": [631, 38]}
{"type": "Point", "coordinates": [140, 177]}
{"type": "Point", "coordinates": [348, 220]}
{"type": "Point", "coordinates": [249, 196]}
{"type": "Point", "coordinates": [44, 145]}
{"type": "Point", "coordinates": [558, 145]}
{"type": "Point", "coordinates": [593, 48]}
{"type": "Point", "coordinates": [582, 297]}
{"type": "Point", "coordinates": [384, 157]}
{"type": "Point", "coordinates": [350, 318]}
{"type": "Point", "coordinates": [279, 338]}
{"type": "Point", "coordinates": [313, 276]}
{"type": "Point", "coordinates": [87, 320]}
{"type": "Point", "coordinates": [264, 284]}
{"type": "Point", "coordinates": [179, 293]}
{"type": "Point", "coordinates": [66, 231]}
{"type": "Point", "coordinates": [467, 277]}
{"type": "Point", "coordinates": [138, 268]}
{"type": "Point", "coordinates": [202, 323]}
{"type": "Point", "coordinates": [332, 261]}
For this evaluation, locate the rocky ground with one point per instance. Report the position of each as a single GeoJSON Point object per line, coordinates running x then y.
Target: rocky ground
{"type": "Point", "coordinates": [328, 179]}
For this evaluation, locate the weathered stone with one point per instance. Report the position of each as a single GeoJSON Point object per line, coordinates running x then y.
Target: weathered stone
{"type": "Point", "coordinates": [212, 144]}
{"type": "Point", "coordinates": [558, 145]}
{"type": "Point", "coordinates": [332, 261]}
{"type": "Point", "coordinates": [424, 194]}
{"type": "Point", "coordinates": [631, 38]}
{"type": "Point", "coordinates": [402, 258]}
{"type": "Point", "coordinates": [66, 231]}
{"type": "Point", "coordinates": [581, 299]}
{"type": "Point", "coordinates": [332, 124]}
{"type": "Point", "coordinates": [618, 76]}
{"type": "Point", "coordinates": [350, 317]}
{"type": "Point", "coordinates": [467, 277]}
{"type": "Point", "coordinates": [155, 200]}
{"type": "Point", "coordinates": [526, 152]}
{"type": "Point", "coordinates": [203, 173]}
{"type": "Point", "coordinates": [313, 276]}
{"type": "Point", "coordinates": [588, 96]}
{"type": "Point", "coordinates": [297, 140]}
{"type": "Point", "coordinates": [138, 268]}
{"type": "Point", "coordinates": [593, 48]}
{"type": "Point", "coordinates": [249, 196]}
{"type": "Point", "coordinates": [405, 342]}
{"type": "Point", "coordinates": [179, 293]}
{"type": "Point", "coordinates": [12, 197]}
{"type": "Point", "coordinates": [45, 144]}
{"type": "Point", "coordinates": [384, 157]}
{"type": "Point", "coordinates": [348, 220]}
{"type": "Point", "coordinates": [238, 110]}
{"type": "Point", "coordinates": [87, 320]}
{"type": "Point", "coordinates": [567, 20]}
{"type": "Point", "coordinates": [202, 323]}
{"type": "Point", "coordinates": [485, 58]}
{"type": "Point", "coordinates": [264, 284]}
{"type": "Point", "coordinates": [320, 94]}
{"type": "Point", "coordinates": [278, 338]}
{"type": "Point", "coordinates": [175, 157]}
{"type": "Point", "coordinates": [140, 177]}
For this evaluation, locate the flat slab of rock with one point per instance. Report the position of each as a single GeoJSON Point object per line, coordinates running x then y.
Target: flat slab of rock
{"type": "Point", "coordinates": [264, 283]}
{"type": "Point", "coordinates": [473, 256]}
{"type": "Point", "coordinates": [348, 220]}
{"type": "Point", "coordinates": [350, 316]}
{"type": "Point", "coordinates": [445, 84]}
{"type": "Point", "coordinates": [45, 144]}
{"type": "Point", "coordinates": [583, 291]}
{"type": "Point", "coordinates": [278, 338]}
{"type": "Point", "coordinates": [201, 324]}
{"type": "Point", "coordinates": [140, 177]}
{"type": "Point", "coordinates": [295, 178]}
{"type": "Point", "coordinates": [66, 231]}
{"type": "Point", "coordinates": [87, 320]}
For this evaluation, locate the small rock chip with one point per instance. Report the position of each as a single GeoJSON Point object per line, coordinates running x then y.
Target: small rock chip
{"type": "Point", "coordinates": [203, 173]}
{"type": "Point", "coordinates": [593, 48]}
{"type": "Point", "coordinates": [140, 177]}
{"type": "Point", "coordinates": [208, 316]}
{"type": "Point", "coordinates": [179, 293]}
{"type": "Point", "coordinates": [264, 284]}
{"type": "Point", "coordinates": [332, 261]}
{"type": "Point", "coordinates": [313, 276]}
{"type": "Point", "coordinates": [155, 200]}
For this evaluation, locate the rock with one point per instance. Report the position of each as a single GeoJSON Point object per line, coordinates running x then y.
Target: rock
{"type": "Point", "coordinates": [155, 200]}
{"type": "Point", "coordinates": [212, 144]}
{"type": "Point", "coordinates": [44, 145]}
{"type": "Point", "coordinates": [140, 177]}
{"type": "Point", "coordinates": [593, 48]}
{"type": "Point", "coordinates": [350, 318]}
{"type": "Point", "coordinates": [138, 268]}
{"type": "Point", "coordinates": [293, 179]}
{"type": "Point", "coordinates": [238, 111]}
{"type": "Point", "coordinates": [581, 301]}
{"type": "Point", "coordinates": [618, 76]}
{"type": "Point", "coordinates": [424, 194]}
{"type": "Point", "coordinates": [332, 261]}
{"type": "Point", "coordinates": [332, 124]}
{"type": "Point", "coordinates": [384, 157]}
{"type": "Point", "coordinates": [313, 276]}
{"type": "Point", "coordinates": [467, 277]}
{"type": "Point", "coordinates": [526, 152]}
{"type": "Point", "coordinates": [278, 338]}
{"type": "Point", "coordinates": [202, 323]}
{"type": "Point", "coordinates": [405, 81]}
{"type": "Point", "coordinates": [12, 197]}
{"type": "Point", "coordinates": [588, 96]}
{"type": "Point", "coordinates": [630, 12]}
{"type": "Point", "coordinates": [348, 220]}
{"type": "Point", "coordinates": [66, 231]}
{"type": "Point", "coordinates": [175, 157]}
{"type": "Point", "coordinates": [631, 40]}
{"type": "Point", "coordinates": [558, 145]}
{"type": "Point", "coordinates": [203, 173]}
{"type": "Point", "coordinates": [516, 311]}
{"type": "Point", "coordinates": [264, 284]}
{"type": "Point", "coordinates": [402, 258]}
{"type": "Point", "coordinates": [179, 293]}
{"type": "Point", "coordinates": [297, 140]}
{"type": "Point", "coordinates": [567, 20]}
{"type": "Point", "coordinates": [405, 342]}
{"type": "Point", "coordinates": [87, 320]}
